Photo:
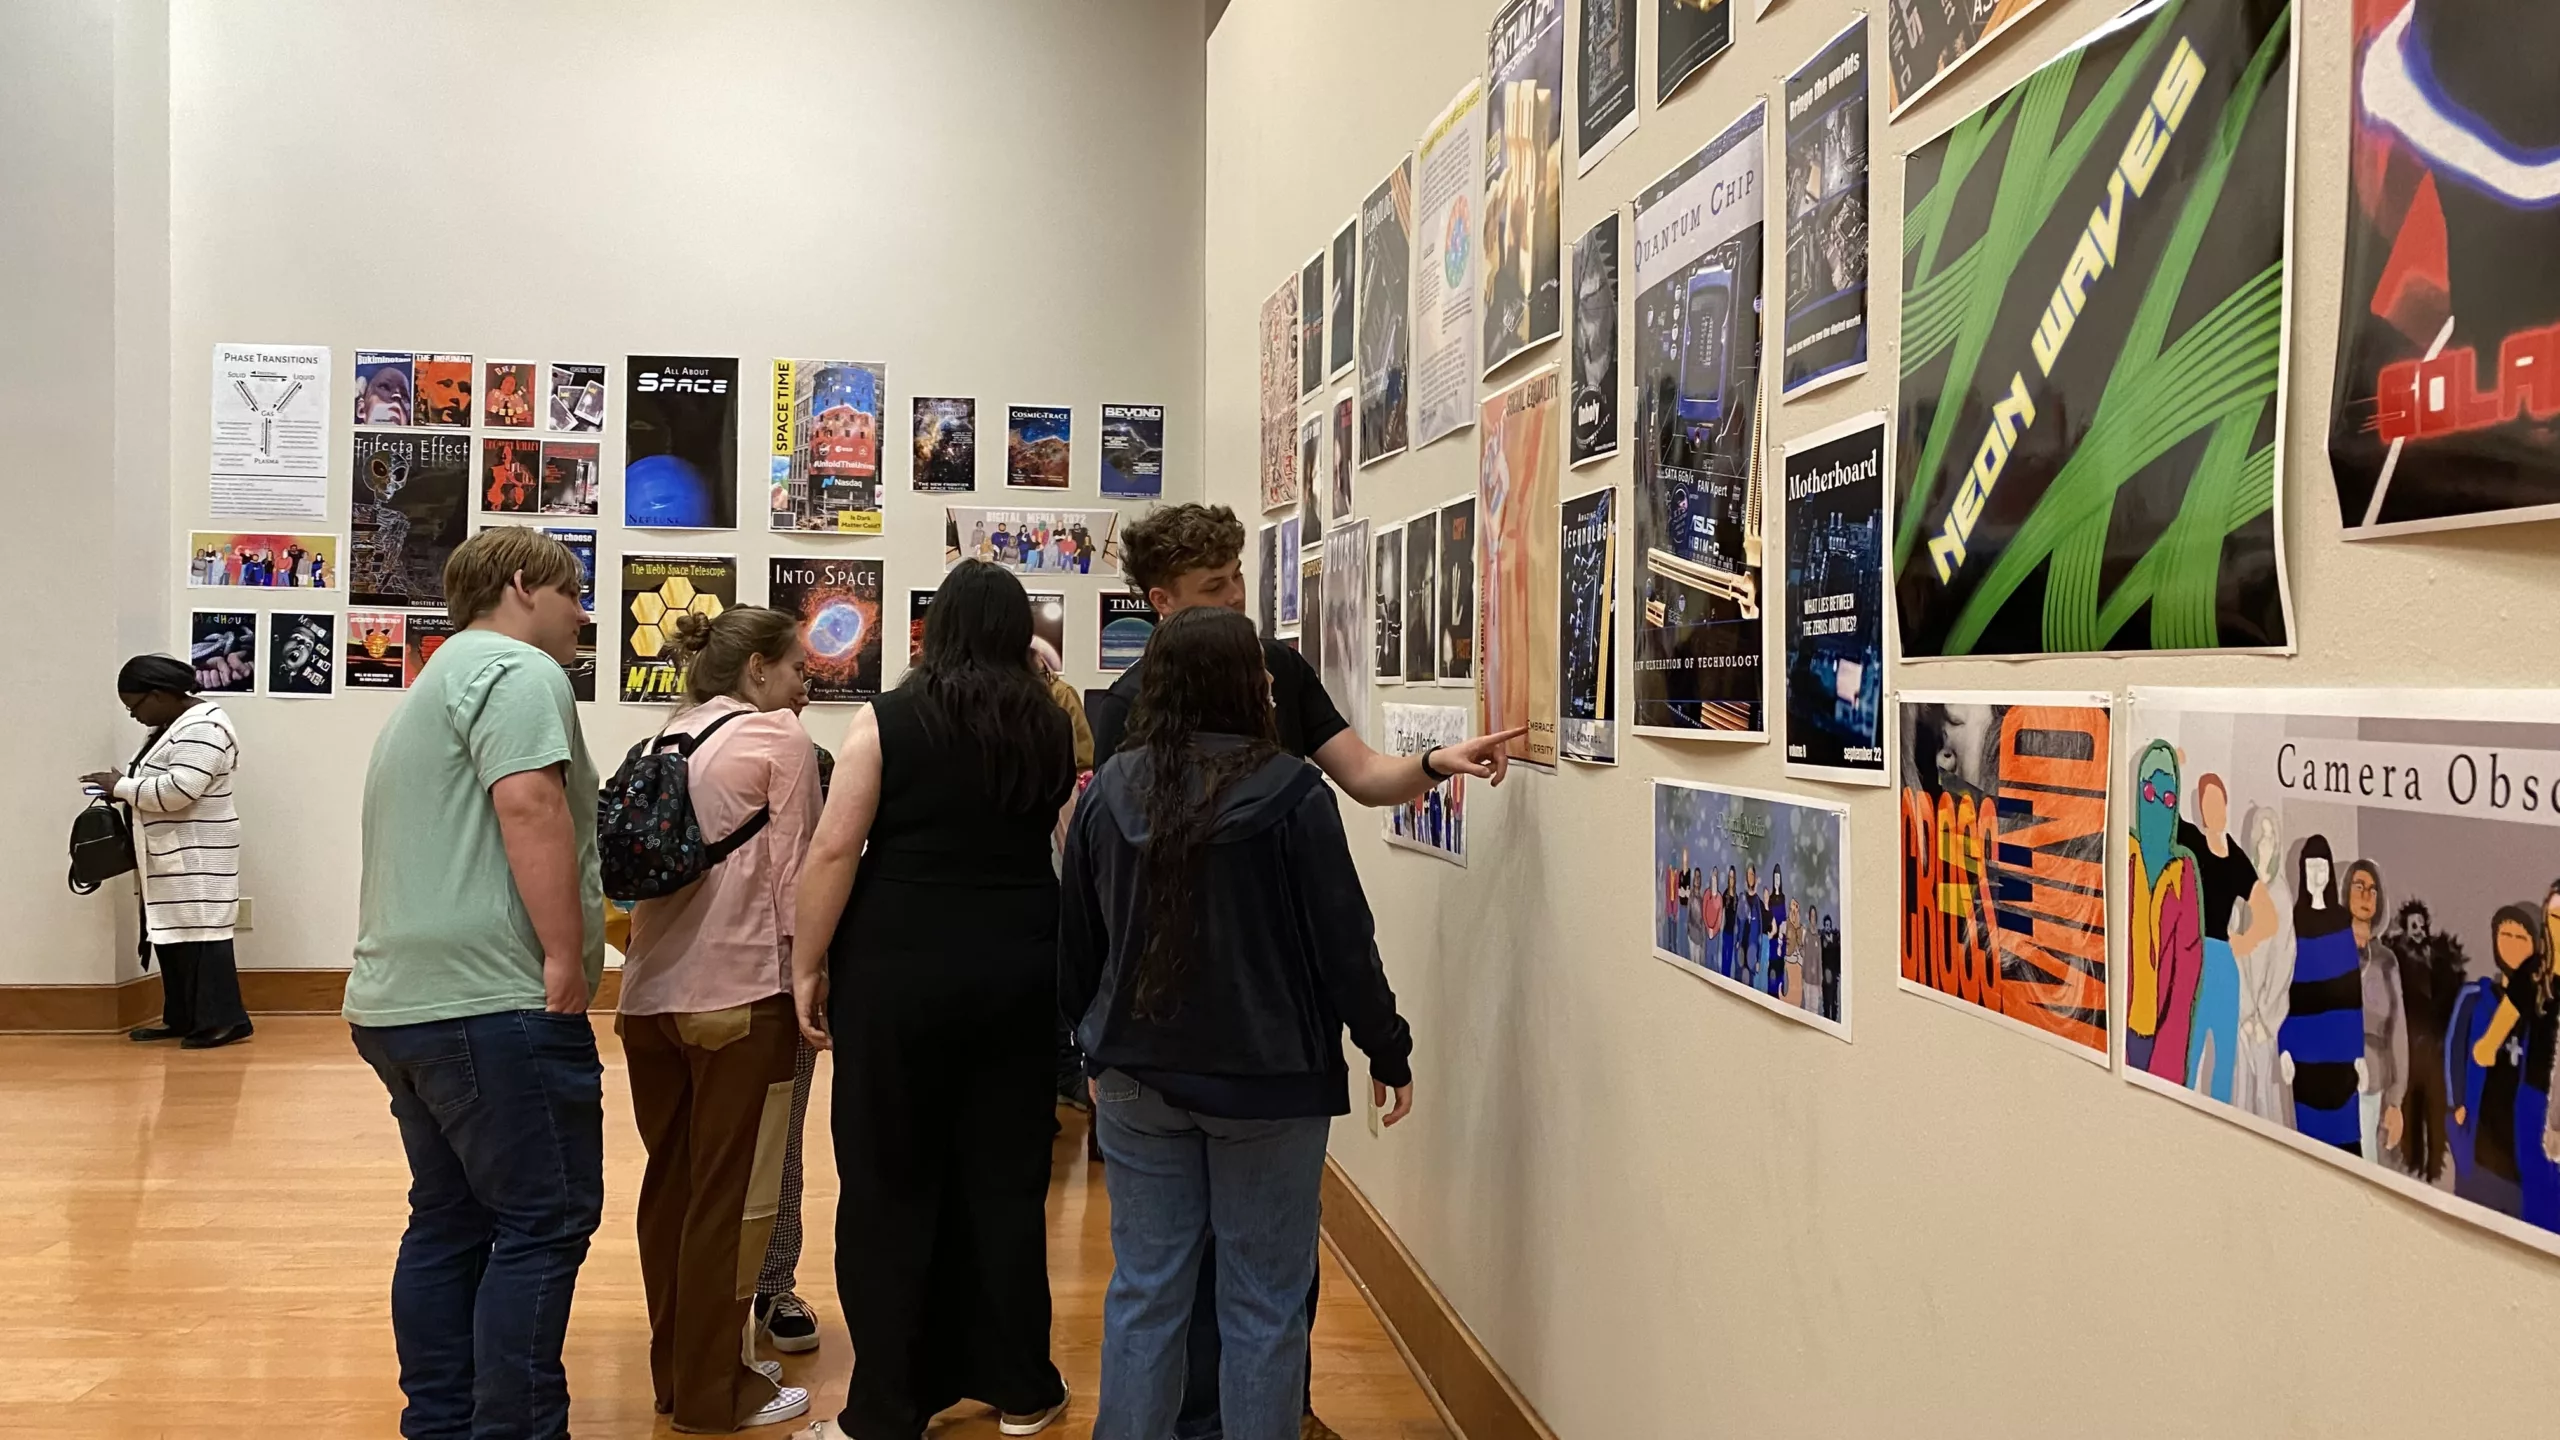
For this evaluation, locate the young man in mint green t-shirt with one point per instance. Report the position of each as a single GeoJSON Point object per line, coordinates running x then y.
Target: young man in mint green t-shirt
{"type": "Point", "coordinates": [479, 941]}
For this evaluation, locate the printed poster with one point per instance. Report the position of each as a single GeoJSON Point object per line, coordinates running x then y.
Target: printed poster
{"type": "Point", "coordinates": [656, 591]}
{"type": "Point", "coordinates": [510, 475]}
{"type": "Point", "coordinates": [1926, 42]}
{"type": "Point", "coordinates": [1457, 592]}
{"type": "Point", "coordinates": [1834, 602]}
{"type": "Point", "coordinates": [1697, 504]}
{"type": "Point", "coordinates": [1267, 575]}
{"type": "Point", "coordinates": [411, 509]}
{"type": "Point", "coordinates": [576, 405]}
{"type": "Point", "coordinates": [1344, 658]}
{"type": "Point", "coordinates": [946, 445]}
{"type": "Point", "coordinates": [680, 443]}
{"type": "Point", "coordinates": [386, 388]}
{"type": "Point", "coordinates": [828, 417]}
{"type": "Point", "coordinates": [1751, 894]}
{"type": "Point", "coordinates": [444, 391]}
{"type": "Point", "coordinates": [1435, 822]}
{"type": "Point", "coordinates": [2004, 860]}
{"type": "Point", "coordinates": [1125, 625]}
{"type": "Point", "coordinates": [1595, 343]}
{"type": "Point", "coordinates": [1521, 288]}
{"type": "Point", "coordinates": [510, 394]}
{"type": "Point", "coordinates": [1387, 594]}
{"type": "Point", "coordinates": [1133, 451]}
{"type": "Point", "coordinates": [837, 602]}
{"type": "Point", "coordinates": [2440, 416]}
{"type": "Point", "coordinates": [1421, 607]}
{"type": "Point", "coordinates": [376, 642]}
{"type": "Point", "coordinates": [1310, 606]}
{"type": "Point", "coordinates": [582, 669]}
{"type": "Point", "coordinates": [1345, 407]}
{"type": "Point", "coordinates": [1686, 35]}
{"type": "Point", "coordinates": [1311, 310]}
{"type": "Point", "coordinates": [1826, 329]}
{"type": "Point", "coordinates": [1448, 164]}
{"type": "Point", "coordinates": [1035, 541]}
{"type": "Point", "coordinates": [1517, 459]}
{"type": "Point", "coordinates": [2093, 348]}
{"type": "Point", "coordinates": [1284, 570]}
{"type": "Point", "coordinates": [223, 647]}
{"type": "Point", "coordinates": [569, 477]}
{"type": "Point", "coordinates": [1604, 72]}
{"type": "Point", "coordinates": [918, 603]}
{"type": "Point", "coordinates": [1049, 630]}
{"type": "Point", "coordinates": [1310, 516]}
{"type": "Point", "coordinates": [270, 456]}
{"type": "Point", "coordinates": [262, 561]}
{"type": "Point", "coordinates": [427, 631]}
{"type": "Point", "coordinates": [2341, 920]}
{"type": "Point", "coordinates": [1386, 318]}
{"type": "Point", "coordinates": [1279, 376]}
{"type": "Point", "coordinates": [1587, 630]}
{"type": "Point", "coordinates": [302, 654]}
{"type": "Point", "coordinates": [1340, 291]}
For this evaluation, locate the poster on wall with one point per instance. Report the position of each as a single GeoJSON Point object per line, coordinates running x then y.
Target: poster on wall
{"type": "Point", "coordinates": [577, 400]}
{"type": "Point", "coordinates": [837, 602]}
{"type": "Point", "coordinates": [1311, 312]}
{"type": "Point", "coordinates": [1697, 505]}
{"type": "Point", "coordinates": [680, 443]}
{"type": "Point", "coordinates": [1310, 516]}
{"type": "Point", "coordinates": [657, 591]}
{"type": "Point", "coordinates": [386, 388]}
{"type": "Point", "coordinates": [1344, 651]}
{"type": "Point", "coordinates": [1386, 592]}
{"type": "Point", "coordinates": [510, 475]}
{"type": "Point", "coordinates": [1457, 589]}
{"type": "Point", "coordinates": [1520, 288]}
{"type": "Point", "coordinates": [302, 654]}
{"type": "Point", "coordinates": [1124, 626]}
{"type": "Point", "coordinates": [427, 631]}
{"type": "Point", "coordinates": [1924, 43]}
{"type": "Point", "coordinates": [1448, 166]}
{"type": "Point", "coordinates": [1826, 325]}
{"type": "Point", "coordinates": [1284, 570]}
{"type": "Point", "coordinates": [1517, 459]}
{"type": "Point", "coordinates": [1311, 605]}
{"type": "Point", "coordinates": [946, 446]}
{"type": "Point", "coordinates": [571, 471]}
{"type": "Point", "coordinates": [1587, 629]}
{"type": "Point", "coordinates": [1278, 361]}
{"type": "Point", "coordinates": [1034, 541]}
{"type": "Point", "coordinates": [270, 455]}
{"type": "Point", "coordinates": [582, 668]}
{"type": "Point", "coordinates": [222, 645]}
{"type": "Point", "coordinates": [1686, 35]}
{"type": "Point", "coordinates": [411, 509]}
{"type": "Point", "coordinates": [262, 561]}
{"type": "Point", "coordinates": [1595, 343]}
{"type": "Point", "coordinates": [444, 391]}
{"type": "Point", "coordinates": [918, 603]}
{"type": "Point", "coordinates": [2341, 925]}
{"type": "Point", "coordinates": [1833, 605]}
{"type": "Point", "coordinates": [1434, 822]}
{"type": "Point", "coordinates": [828, 417]}
{"type": "Point", "coordinates": [1340, 291]}
{"type": "Point", "coordinates": [510, 393]}
{"type": "Point", "coordinates": [1386, 316]}
{"type": "Point", "coordinates": [1133, 452]}
{"type": "Point", "coordinates": [1751, 894]}
{"type": "Point", "coordinates": [1604, 74]}
{"type": "Point", "coordinates": [2451, 312]}
{"type": "Point", "coordinates": [1049, 630]}
{"type": "Point", "coordinates": [1345, 411]}
{"type": "Point", "coordinates": [1421, 577]}
{"type": "Point", "coordinates": [1039, 446]}
{"type": "Point", "coordinates": [2093, 348]}
{"type": "Point", "coordinates": [1266, 574]}
{"type": "Point", "coordinates": [2004, 860]}
{"type": "Point", "coordinates": [376, 640]}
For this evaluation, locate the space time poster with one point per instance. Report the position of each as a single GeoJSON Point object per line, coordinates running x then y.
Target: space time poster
{"type": "Point", "coordinates": [836, 600]}
{"type": "Point", "coordinates": [1834, 601]}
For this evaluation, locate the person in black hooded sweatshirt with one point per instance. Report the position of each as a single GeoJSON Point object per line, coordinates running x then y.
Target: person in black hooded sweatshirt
{"type": "Point", "coordinates": [1213, 944]}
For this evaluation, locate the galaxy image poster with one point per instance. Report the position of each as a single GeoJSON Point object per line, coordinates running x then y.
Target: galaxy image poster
{"type": "Point", "coordinates": [837, 603]}
{"type": "Point", "coordinates": [680, 443]}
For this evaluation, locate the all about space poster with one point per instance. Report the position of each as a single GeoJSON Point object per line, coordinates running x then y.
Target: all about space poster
{"type": "Point", "coordinates": [680, 443]}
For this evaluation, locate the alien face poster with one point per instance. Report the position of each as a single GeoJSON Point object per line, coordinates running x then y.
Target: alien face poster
{"type": "Point", "coordinates": [837, 602]}
{"type": "Point", "coordinates": [376, 642]}
{"type": "Point", "coordinates": [1833, 608]}
{"type": "Point", "coordinates": [411, 506]}
{"type": "Point", "coordinates": [828, 417]}
{"type": "Point", "coordinates": [680, 443]}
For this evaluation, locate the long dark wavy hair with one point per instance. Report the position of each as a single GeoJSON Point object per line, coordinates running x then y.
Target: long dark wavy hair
{"type": "Point", "coordinates": [1203, 675]}
{"type": "Point", "coordinates": [980, 691]}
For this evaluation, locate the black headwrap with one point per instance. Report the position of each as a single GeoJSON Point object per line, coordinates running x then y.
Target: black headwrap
{"type": "Point", "coordinates": [146, 674]}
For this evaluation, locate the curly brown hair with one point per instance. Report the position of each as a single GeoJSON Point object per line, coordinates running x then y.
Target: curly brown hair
{"type": "Point", "coordinates": [1173, 539]}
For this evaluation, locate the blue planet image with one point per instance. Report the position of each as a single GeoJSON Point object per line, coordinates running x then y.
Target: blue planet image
{"type": "Point", "coordinates": [668, 491]}
{"type": "Point", "coordinates": [1123, 641]}
{"type": "Point", "coordinates": [837, 632]}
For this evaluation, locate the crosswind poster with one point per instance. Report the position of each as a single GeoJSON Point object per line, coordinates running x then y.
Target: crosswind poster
{"type": "Point", "coordinates": [1697, 501]}
{"type": "Point", "coordinates": [1834, 611]}
{"type": "Point", "coordinates": [2093, 349]}
{"type": "Point", "coordinates": [680, 443]}
{"type": "Point", "coordinates": [1826, 331]}
{"type": "Point", "coordinates": [828, 417]}
{"type": "Point", "coordinates": [1523, 179]}
{"type": "Point", "coordinates": [2445, 411]}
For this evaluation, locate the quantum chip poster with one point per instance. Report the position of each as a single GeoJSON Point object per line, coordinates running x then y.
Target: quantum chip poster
{"type": "Point", "coordinates": [1833, 604]}
{"type": "Point", "coordinates": [680, 443]}
{"type": "Point", "coordinates": [837, 605]}
{"type": "Point", "coordinates": [828, 417]}
{"type": "Point", "coordinates": [657, 591]}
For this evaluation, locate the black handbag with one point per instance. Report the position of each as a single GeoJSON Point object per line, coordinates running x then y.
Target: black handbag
{"type": "Point", "coordinates": [101, 846]}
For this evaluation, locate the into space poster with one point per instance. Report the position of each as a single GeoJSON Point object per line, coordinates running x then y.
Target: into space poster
{"type": "Point", "coordinates": [837, 604]}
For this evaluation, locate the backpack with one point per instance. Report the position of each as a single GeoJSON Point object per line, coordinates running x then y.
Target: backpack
{"type": "Point", "coordinates": [648, 843]}
{"type": "Point", "coordinates": [101, 846]}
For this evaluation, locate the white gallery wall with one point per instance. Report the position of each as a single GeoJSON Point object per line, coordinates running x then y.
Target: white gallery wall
{"type": "Point", "coordinates": [1668, 1212]}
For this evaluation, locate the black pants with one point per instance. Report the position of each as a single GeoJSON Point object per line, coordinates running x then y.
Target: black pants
{"type": "Point", "coordinates": [199, 987]}
{"type": "Point", "coordinates": [1200, 1418]}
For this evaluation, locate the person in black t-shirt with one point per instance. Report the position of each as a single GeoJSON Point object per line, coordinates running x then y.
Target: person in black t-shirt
{"type": "Point", "coordinates": [2231, 886]}
{"type": "Point", "coordinates": [1183, 556]}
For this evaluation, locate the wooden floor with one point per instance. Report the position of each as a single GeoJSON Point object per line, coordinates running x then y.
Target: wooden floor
{"type": "Point", "coordinates": [200, 1245]}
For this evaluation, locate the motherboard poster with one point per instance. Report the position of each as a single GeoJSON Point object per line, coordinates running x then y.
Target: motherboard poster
{"type": "Point", "coordinates": [1520, 449]}
{"type": "Point", "coordinates": [837, 604]}
{"type": "Point", "coordinates": [680, 443]}
{"type": "Point", "coordinates": [828, 418]}
{"type": "Point", "coordinates": [2092, 351]}
{"type": "Point", "coordinates": [1826, 331]}
{"type": "Point", "coordinates": [658, 591]}
{"type": "Point", "coordinates": [1521, 284]}
{"type": "Point", "coordinates": [1386, 316]}
{"type": "Point", "coordinates": [1833, 615]}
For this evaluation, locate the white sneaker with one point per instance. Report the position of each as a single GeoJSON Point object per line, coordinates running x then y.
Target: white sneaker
{"type": "Point", "coordinates": [769, 1369]}
{"type": "Point", "coordinates": [791, 1404]}
{"type": "Point", "coordinates": [1034, 1424]}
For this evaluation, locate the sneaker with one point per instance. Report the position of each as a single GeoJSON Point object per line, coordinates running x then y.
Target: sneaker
{"type": "Point", "coordinates": [789, 1403]}
{"type": "Point", "coordinates": [1034, 1424]}
{"type": "Point", "coordinates": [1311, 1428]}
{"type": "Point", "coordinates": [786, 1323]}
{"type": "Point", "coordinates": [769, 1369]}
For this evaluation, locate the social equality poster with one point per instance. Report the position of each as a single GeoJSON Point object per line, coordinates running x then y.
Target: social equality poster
{"type": "Point", "coordinates": [1519, 451]}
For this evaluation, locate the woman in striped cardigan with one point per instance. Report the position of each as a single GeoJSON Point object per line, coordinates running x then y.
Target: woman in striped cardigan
{"type": "Point", "coordinates": [187, 839]}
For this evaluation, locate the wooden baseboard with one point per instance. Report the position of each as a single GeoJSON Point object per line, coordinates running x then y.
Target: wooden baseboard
{"type": "Point", "coordinates": [1476, 1400]}
{"type": "Point", "coordinates": [98, 1008]}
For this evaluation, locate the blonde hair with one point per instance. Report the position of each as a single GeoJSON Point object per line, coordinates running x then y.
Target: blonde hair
{"type": "Point", "coordinates": [713, 652]}
{"type": "Point", "coordinates": [482, 567]}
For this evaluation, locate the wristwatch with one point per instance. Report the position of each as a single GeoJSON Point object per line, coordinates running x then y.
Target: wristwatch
{"type": "Point", "coordinates": [1426, 764]}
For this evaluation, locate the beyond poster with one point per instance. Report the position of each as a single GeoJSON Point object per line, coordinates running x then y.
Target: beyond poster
{"type": "Point", "coordinates": [828, 417]}
{"type": "Point", "coordinates": [837, 602]}
{"type": "Point", "coordinates": [2450, 324]}
{"type": "Point", "coordinates": [1133, 451]}
{"type": "Point", "coordinates": [1435, 822]}
{"type": "Point", "coordinates": [946, 446]}
{"type": "Point", "coordinates": [1344, 661]}
{"type": "Point", "coordinates": [657, 590]}
{"type": "Point", "coordinates": [411, 507]}
{"type": "Point", "coordinates": [1833, 611]}
{"type": "Point", "coordinates": [1751, 892]}
{"type": "Point", "coordinates": [1520, 286]}
{"type": "Point", "coordinates": [1686, 35]}
{"type": "Point", "coordinates": [1311, 310]}
{"type": "Point", "coordinates": [1825, 339]}
{"type": "Point", "coordinates": [2341, 924]}
{"type": "Point", "coordinates": [1519, 452]}
{"type": "Point", "coordinates": [1342, 266]}
{"type": "Point", "coordinates": [1457, 590]}
{"type": "Point", "coordinates": [2004, 860]}
{"type": "Point", "coordinates": [1039, 446]}
{"type": "Point", "coordinates": [1032, 541]}
{"type": "Point", "coordinates": [680, 443]}
{"type": "Point", "coordinates": [2093, 347]}
{"type": "Point", "coordinates": [1927, 39]}
{"type": "Point", "coordinates": [1449, 167]}
{"type": "Point", "coordinates": [1604, 72]}
{"type": "Point", "coordinates": [1278, 364]}
{"type": "Point", "coordinates": [1697, 504]}
{"type": "Point", "coordinates": [1386, 317]}
{"type": "Point", "coordinates": [1595, 342]}
{"type": "Point", "coordinates": [1587, 602]}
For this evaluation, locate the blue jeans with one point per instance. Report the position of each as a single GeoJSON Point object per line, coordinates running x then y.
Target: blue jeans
{"type": "Point", "coordinates": [503, 1119]}
{"type": "Point", "coordinates": [1177, 1181]}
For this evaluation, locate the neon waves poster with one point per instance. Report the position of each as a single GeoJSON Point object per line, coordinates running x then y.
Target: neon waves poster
{"type": "Point", "coordinates": [2092, 358]}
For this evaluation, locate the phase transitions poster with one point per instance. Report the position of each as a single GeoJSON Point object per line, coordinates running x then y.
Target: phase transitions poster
{"type": "Point", "coordinates": [1278, 365]}
{"type": "Point", "coordinates": [1826, 329]}
{"type": "Point", "coordinates": [1386, 318]}
{"type": "Point", "coordinates": [1686, 35]}
{"type": "Point", "coordinates": [1751, 893]}
{"type": "Point", "coordinates": [410, 507]}
{"type": "Point", "coordinates": [1587, 682]}
{"type": "Point", "coordinates": [680, 443]}
{"type": "Point", "coordinates": [1595, 342]}
{"type": "Point", "coordinates": [1518, 454]}
{"type": "Point", "coordinates": [2093, 349]}
{"type": "Point", "coordinates": [1520, 284]}
{"type": "Point", "coordinates": [828, 417]}
{"type": "Point", "coordinates": [1834, 602]}
{"type": "Point", "coordinates": [1604, 74]}
{"type": "Point", "coordinates": [837, 602]}
{"type": "Point", "coordinates": [270, 456]}
{"type": "Point", "coordinates": [657, 590]}
{"type": "Point", "coordinates": [1133, 451]}
{"type": "Point", "coordinates": [1697, 504]}
{"type": "Point", "coordinates": [1449, 166]}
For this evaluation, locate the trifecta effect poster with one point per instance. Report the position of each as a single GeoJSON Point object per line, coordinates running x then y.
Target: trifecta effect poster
{"type": "Point", "coordinates": [2092, 349]}
{"type": "Point", "coordinates": [1834, 602]}
{"type": "Point", "coordinates": [657, 590]}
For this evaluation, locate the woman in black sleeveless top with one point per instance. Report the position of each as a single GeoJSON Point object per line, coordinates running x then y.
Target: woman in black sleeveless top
{"type": "Point", "coordinates": [938, 993]}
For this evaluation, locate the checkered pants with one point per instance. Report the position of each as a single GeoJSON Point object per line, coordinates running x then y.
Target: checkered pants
{"type": "Point", "coordinates": [782, 1256]}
